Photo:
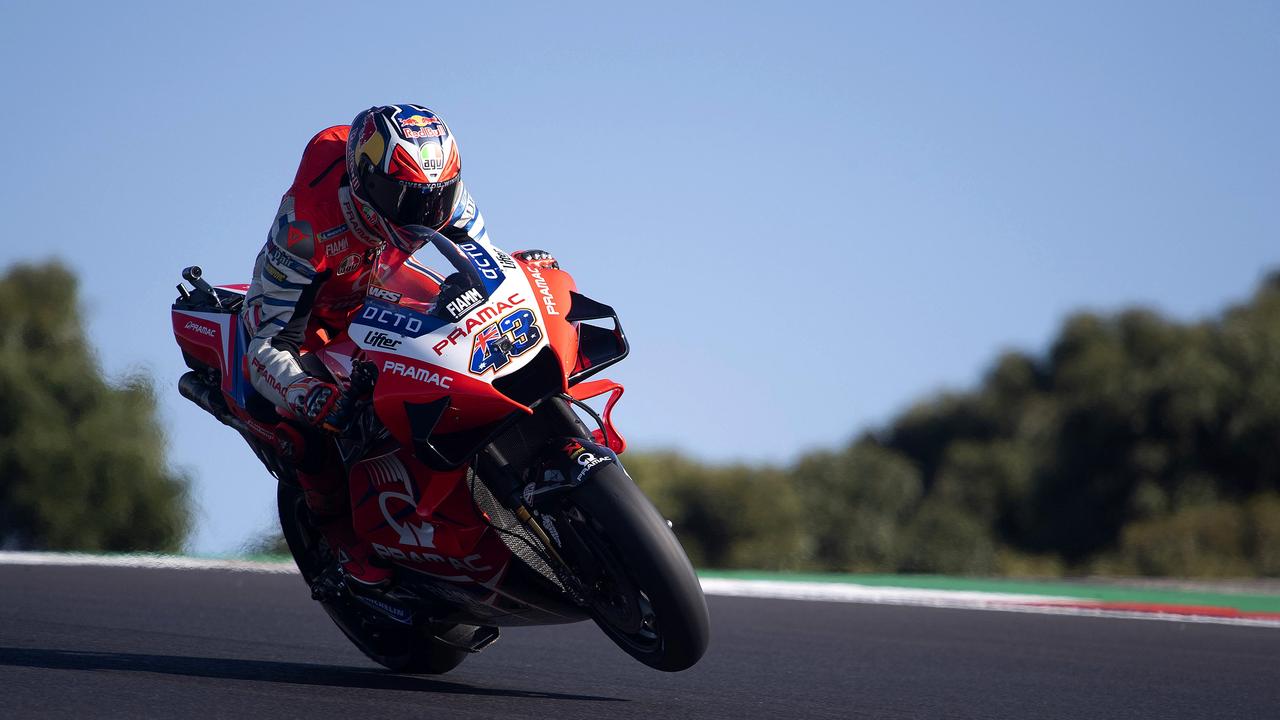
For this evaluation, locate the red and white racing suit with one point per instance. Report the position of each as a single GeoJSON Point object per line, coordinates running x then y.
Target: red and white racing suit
{"type": "Point", "coordinates": [319, 259]}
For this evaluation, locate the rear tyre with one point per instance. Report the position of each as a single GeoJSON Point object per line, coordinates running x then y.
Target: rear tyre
{"type": "Point", "coordinates": [395, 647]}
{"type": "Point", "coordinates": [642, 589]}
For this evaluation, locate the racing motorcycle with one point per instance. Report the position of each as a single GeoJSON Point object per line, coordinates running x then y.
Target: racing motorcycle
{"type": "Point", "coordinates": [464, 430]}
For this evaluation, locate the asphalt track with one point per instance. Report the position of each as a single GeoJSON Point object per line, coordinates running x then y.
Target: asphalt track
{"type": "Point", "coordinates": [91, 642]}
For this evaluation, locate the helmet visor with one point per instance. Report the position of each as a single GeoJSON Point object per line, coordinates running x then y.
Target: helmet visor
{"type": "Point", "coordinates": [408, 203]}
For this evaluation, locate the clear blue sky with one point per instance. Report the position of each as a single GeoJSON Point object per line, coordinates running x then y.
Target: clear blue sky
{"type": "Point", "coordinates": [808, 215]}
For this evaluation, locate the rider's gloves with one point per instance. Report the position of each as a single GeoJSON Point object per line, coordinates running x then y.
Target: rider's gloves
{"type": "Point", "coordinates": [541, 258]}
{"type": "Point", "coordinates": [311, 399]}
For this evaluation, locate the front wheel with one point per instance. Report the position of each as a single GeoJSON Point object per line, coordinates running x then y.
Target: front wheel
{"type": "Point", "coordinates": [636, 577]}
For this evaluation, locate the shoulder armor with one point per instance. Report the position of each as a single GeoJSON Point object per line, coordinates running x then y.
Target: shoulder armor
{"type": "Point", "coordinates": [296, 238]}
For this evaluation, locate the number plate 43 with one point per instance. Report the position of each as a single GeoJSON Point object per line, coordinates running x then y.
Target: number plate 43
{"type": "Point", "coordinates": [497, 343]}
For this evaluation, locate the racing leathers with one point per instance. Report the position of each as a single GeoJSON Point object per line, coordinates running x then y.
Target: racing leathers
{"type": "Point", "coordinates": [319, 259]}
{"type": "Point", "coordinates": [310, 278]}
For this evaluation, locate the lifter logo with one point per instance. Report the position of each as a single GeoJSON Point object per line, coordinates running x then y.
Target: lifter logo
{"type": "Point", "coordinates": [379, 339]}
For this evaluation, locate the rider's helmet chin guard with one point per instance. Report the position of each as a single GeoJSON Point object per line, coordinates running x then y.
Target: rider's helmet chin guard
{"type": "Point", "coordinates": [404, 169]}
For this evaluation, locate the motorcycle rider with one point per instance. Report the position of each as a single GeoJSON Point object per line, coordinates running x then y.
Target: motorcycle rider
{"type": "Point", "coordinates": [338, 226]}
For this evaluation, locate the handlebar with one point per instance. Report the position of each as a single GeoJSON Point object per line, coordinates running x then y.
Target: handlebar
{"type": "Point", "coordinates": [195, 276]}
{"type": "Point", "coordinates": [451, 252]}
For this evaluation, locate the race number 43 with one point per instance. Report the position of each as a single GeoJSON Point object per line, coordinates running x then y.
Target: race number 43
{"type": "Point", "coordinates": [509, 337]}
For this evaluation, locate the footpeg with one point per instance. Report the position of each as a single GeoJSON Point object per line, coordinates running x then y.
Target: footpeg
{"type": "Point", "coordinates": [328, 586]}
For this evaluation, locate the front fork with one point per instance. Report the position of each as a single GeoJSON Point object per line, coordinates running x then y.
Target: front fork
{"type": "Point", "coordinates": [534, 466]}
{"type": "Point", "coordinates": [508, 462]}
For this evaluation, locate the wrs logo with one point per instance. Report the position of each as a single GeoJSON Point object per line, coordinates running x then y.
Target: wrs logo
{"type": "Point", "coordinates": [382, 293]}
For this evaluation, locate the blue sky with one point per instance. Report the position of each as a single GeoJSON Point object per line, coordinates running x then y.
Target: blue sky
{"type": "Point", "coordinates": [808, 215]}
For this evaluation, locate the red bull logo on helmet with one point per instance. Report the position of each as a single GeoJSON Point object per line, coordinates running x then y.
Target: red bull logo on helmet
{"type": "Point", "coordinates": [433, 130]}
{"type": "Point", "coordinates": [418, 121]}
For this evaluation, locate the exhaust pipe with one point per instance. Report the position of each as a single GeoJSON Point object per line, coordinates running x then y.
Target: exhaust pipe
{"type": "Point", "coordinates": [209, 399]}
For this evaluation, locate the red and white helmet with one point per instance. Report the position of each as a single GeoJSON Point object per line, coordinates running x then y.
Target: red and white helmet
{"type": "Point", "coordinates": [404, 169]}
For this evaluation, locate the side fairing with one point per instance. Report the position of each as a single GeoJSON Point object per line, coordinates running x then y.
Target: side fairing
{"type": "Point", "coordinates": [215, 339]}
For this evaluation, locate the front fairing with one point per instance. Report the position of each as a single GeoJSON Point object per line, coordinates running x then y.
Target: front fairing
{"type": "Point", "coordinates": [499, 342]}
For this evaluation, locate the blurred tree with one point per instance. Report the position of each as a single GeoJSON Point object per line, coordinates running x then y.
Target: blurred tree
{"type": "Point", "coordinates": [1205, 541]}
{"type": "Point", "coordinates": [855, 505]}
{"type": "Point", "coordinates": [82, 463]}
{"type": "Point", "coordinates": [732, 516]}
{"type": "Point", "coordinates": [944, 538]}
{"type": "Point", "coordinates": [270, 543]}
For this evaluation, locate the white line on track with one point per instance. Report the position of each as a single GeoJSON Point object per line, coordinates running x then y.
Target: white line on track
{"type": "Point", "coordinates": [162, 562]}
{"type": "Point", "coordinates": [878, 595]}
{"type": "Point", "coordinates": [783, 590]}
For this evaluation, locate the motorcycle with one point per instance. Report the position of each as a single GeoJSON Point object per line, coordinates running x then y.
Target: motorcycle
{"type": "Point", "coordinates": [471, 469]}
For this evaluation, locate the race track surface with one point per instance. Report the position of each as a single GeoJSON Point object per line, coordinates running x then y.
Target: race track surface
{"type": "Point", "coordinates": [91, 642]}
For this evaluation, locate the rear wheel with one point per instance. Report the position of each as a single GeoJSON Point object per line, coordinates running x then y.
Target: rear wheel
{"type": "Point", "coordinates": [638, 581]}
{"type": "Point", "coordinates": [395, 647]}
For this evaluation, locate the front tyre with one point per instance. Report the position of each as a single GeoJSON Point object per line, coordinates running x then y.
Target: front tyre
{"type": "Point", "coordinates": [641, 587]}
